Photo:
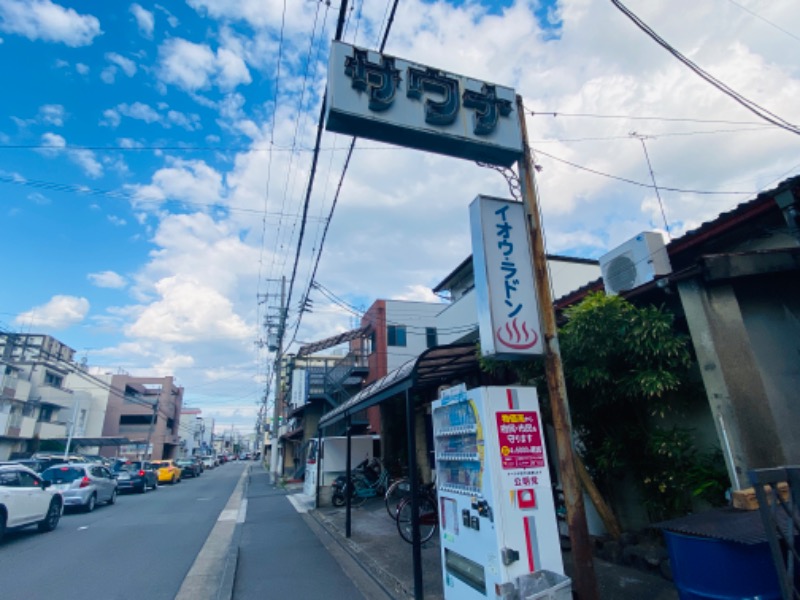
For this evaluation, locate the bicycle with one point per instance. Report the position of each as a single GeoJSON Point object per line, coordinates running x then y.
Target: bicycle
{"type": "Point", "coordinates": [369, 479]}
{"type": "Point", "coordinates": [428, 515]}
{"type": "Point", "coordinates": [398, 491]}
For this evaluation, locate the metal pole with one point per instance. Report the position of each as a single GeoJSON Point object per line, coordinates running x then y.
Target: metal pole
{"type": "Point", "coordinates": [71, 428]}
{"type": "Point", "coordinates": [416, 544]}
{"type": "Point", "coordinates": [348, 474]}
{"type": "Point", "coordinates": [584, 580]}
{"type": "Point", "coordinates": [319, 467]}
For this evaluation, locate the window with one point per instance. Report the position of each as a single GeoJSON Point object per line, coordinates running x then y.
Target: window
{"type": "Point", "coordinates": [9, 479]}
{"type": "Point", "coordinates": [431, 339]}
{"type": "Point", "coordinates": [53, 380]}
{"type": "Point", "coordinates": [27, 480]}
{"type": "Point", "coordinates": [137, 419]}
{"type": "Point", "coordinates": [396, 335]}
{"type": "Point", "coordinates": [46, 413]}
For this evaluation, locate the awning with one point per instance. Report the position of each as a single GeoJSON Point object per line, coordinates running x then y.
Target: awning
{"type": "Point", "coordinates": [433, 367]}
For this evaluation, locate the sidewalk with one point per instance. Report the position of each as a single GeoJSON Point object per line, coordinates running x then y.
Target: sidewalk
{"type": "Point", "coordinates": [377, 546]}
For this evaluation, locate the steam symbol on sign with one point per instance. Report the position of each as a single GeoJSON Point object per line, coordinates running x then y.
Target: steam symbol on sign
{"type": "Point", "coordinates": [517, 337]}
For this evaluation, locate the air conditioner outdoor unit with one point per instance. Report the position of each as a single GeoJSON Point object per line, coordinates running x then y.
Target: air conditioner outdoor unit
{"type": "Point", "coordinates": [635, 262]}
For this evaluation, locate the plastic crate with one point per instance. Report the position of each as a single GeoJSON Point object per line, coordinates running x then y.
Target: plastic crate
{"type": "Point", "coordinates": [544, 585]}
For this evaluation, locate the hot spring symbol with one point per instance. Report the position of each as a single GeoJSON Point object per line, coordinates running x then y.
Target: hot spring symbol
{"type": "Point", "coordinates": [516, 336]}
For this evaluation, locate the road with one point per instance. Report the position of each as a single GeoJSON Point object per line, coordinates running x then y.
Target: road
{"type": "Point", "coordinates": [142, 547]}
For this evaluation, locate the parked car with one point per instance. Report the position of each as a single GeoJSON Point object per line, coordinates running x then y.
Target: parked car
{"type": "Point", "coordinates": [84, 485]}
{"type": "Point", "coordinates": [135, 476]}
{"type": "Point", "coordinates": [27, 499]}
{"type": "Point", "coordinates": [188, 467]}
{"type": "Point", "coordinates": [39, 463]}
{"type": "Point", "coordinates": [209, 462]}
{"type": "Point", "coordinates": [168, 471]}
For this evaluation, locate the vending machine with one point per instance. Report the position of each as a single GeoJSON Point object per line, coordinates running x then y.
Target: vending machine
{"type": "Point", "coordinates": [496, 511]}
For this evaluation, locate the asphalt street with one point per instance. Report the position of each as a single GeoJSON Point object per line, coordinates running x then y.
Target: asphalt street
{"type": "Point", "coordinates": [142, 547]}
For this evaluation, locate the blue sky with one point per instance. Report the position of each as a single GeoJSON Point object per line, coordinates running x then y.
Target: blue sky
{"type": "Point", "coordinates": [152, 180]}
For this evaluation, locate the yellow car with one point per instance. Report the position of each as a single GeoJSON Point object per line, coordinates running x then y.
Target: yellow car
{"type": "Point", "coordinates": [167, 471]}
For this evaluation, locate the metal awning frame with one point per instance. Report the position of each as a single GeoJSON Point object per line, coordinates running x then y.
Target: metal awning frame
{"type": "Point", "coordinates": [430, 367]}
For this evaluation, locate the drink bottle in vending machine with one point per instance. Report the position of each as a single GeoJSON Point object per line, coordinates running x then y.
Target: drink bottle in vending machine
{"type": "Point", "coordinates": [496, 510]}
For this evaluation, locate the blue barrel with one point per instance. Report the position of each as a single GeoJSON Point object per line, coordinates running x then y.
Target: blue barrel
{"type": "Point", "coordinates": [705, 569]}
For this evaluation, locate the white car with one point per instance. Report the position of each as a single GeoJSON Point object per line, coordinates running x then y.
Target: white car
{"type": "Point", "coordinates": [26, 499]}
{"type": "Point", "coordinates": [209, 462]}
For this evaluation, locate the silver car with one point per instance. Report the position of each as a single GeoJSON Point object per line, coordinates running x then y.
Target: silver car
{"type": "Point", "coordinates": [83, 484]}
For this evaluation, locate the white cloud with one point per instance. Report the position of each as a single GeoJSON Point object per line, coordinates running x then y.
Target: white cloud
{"type": "Point", "coordinates": [44, 20]}
{"type": "Point", "coordinates": [111, 118]}
{"type": "Point", "coordinates": [109, 74]}
{"type": "Point", "coordinates": [56, 145]}
{"type": "Point", "coordinates": [144, 20]}
{"type": "Point", "coordinates": [52, 114]}
{"type": "Point", "coordinates": [115, 220]}
{"type": "Point", "coordinates": [59, 313]}
{"type": "Point", "coordinates": [191, 181]}
{"type": "Point", "coordinates": [187, 311]}
{"type": "Point", "coordinates": [82, 68]}
{"type": "Point", "coordinates": [185, 64]}
{"type": "Point", "coordinates": [53, 140]}
{"type": "Point", "coordinates": [38, 198]}
{"type": "Point", "coordinates": [127, 65]}
{"type": "Point", "coordinates": [194, 67]}
{"type": "Point", "coordinates": [232, 70]}
{"type": "Point", "coordinates": [107, 279]}
{"type": "Point", "coordinates": [87, 161]}
{"type": "Point", "coordinates": [139, 111]}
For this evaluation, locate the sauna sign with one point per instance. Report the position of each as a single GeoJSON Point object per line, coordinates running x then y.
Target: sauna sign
{"type": "Point", "coordinates": [388, 99]}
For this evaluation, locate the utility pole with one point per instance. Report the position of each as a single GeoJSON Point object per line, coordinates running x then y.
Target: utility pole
{"type": "Point", "coordinates": [150, 432]}
{"type": "Point", "coordinates": [585, 582]}
{"type": "Point", "coordinates": [277, 372]}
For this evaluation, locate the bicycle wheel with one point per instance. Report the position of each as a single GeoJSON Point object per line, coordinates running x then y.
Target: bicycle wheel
{"type": "Point", "coordinates": [428, 519]}
{"type": "Point", "coordinates": [397, 492]}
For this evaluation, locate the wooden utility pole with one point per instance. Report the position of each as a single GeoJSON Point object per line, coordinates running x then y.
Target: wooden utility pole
{"type": "Point", "coordinates": [584, 580]}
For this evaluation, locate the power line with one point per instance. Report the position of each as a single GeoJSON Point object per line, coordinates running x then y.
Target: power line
{"type": "Point", "coordinates": [639, 183]}
{"type": "Point", "coordinates": [350, 150]}
{"type": "Point", "coordinates": [750, 105]}
{"type": "Point", "coordinates": [541, 113]}
{"type": "Point", "coordinates": [767, 21]}
{"type": "Point", "coordinates": [117, 194]}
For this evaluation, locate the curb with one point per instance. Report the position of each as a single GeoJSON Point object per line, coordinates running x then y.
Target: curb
{"type": "Point", "coordinates": [212, 576]}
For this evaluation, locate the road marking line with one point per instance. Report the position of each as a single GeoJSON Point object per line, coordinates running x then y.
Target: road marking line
{"type": "Point", "coordinates": [229, 514]}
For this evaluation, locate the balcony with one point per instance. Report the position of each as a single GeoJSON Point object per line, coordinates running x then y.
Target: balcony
{"type": "Point", "coordinates": [14, 388]}
{"type": "Point", "coordinates": [46, 431]}
{"type": "Point", "coordinates": [56, 396]}
{"type": "Point", "coordinates": [17, 426]}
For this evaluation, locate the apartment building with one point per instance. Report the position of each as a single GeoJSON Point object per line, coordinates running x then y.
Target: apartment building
{"type": "Point", "coordinates": [36, 403]}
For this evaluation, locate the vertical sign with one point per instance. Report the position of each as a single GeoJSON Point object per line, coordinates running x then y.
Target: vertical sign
{"type": "Point", "coordinates": [299, 388]}
{"type": "Point", "coordinates": [508, 313]}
